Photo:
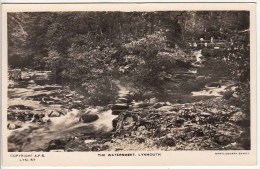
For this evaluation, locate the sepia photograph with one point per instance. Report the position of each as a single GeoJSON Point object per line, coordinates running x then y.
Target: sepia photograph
{"type": "Point", "coordinates": [128, 81]}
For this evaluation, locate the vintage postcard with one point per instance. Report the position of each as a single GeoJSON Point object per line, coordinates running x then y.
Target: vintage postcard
{"type": "Point", "coordinates": [151, 84]}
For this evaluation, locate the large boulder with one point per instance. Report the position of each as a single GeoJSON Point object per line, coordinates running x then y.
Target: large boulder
{"type": "Point", "coordinates": [125, 123]}
{"type": "Point", "coordinates": [88, 118]}
{"type": "Point", "coordinates": [56, 144]}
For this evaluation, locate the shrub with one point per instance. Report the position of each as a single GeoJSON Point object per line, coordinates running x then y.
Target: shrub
{"type": "Point", "coordinates": [99, 91]}
{"type": "Point", "coordinates": [151, 60]}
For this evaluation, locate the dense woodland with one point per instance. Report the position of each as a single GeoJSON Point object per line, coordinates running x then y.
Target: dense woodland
{"type": "Point", "coordinates": [92, 50]}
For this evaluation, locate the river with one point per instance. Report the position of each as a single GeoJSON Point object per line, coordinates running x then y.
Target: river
{"type": "Point", "coordinates": [39, 95]}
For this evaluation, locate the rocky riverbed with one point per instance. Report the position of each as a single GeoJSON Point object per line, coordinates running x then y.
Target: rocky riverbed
{"type": "Point", "coordinates": [44, 116]}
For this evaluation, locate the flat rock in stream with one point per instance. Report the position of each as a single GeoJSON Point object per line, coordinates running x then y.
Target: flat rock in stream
{"type": "Point", "coordinates": [123, 100]}
{"type": "Point", "coordinates": [125, 95]}
{"type": "Point", "coordinates": [117, 112]}
{"type": "Point", "coordinates": [213, 84]}
{"type": "Point", "coordinates": [119, 106]}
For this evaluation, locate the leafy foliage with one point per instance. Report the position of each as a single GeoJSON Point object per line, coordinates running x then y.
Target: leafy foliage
{"type": "Point", "coordinates": [89, 47]}
{"type": "Point", "coordinates": [239, 59]}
